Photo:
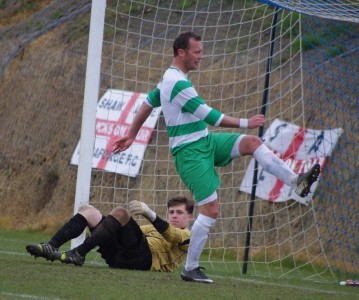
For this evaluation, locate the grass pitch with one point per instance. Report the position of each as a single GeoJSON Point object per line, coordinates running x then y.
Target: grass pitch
{"type": "Point", "coordinates": [23, 277]}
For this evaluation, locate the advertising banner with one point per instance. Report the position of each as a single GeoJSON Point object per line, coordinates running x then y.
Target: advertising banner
{"type": "Point", "coordinates": [300, 149]}
{"type": "Point", "coordinates": [115, 113]}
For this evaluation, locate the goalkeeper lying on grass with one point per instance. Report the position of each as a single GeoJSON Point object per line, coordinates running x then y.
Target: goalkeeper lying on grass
{"type": "Point", "coordinates": [124, 244]}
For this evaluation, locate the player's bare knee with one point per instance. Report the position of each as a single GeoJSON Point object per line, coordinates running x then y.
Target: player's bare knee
{"type": "Point", "coordinates": [210, 209]}
{"type": "Point", "coordinates": [120, 214]}
{"type": "Point", "coordinates": [85, 207]}
{"type": "Point", "coordinates": [249, 144]}
{"type": "Point", "coordinates": [91, 214]}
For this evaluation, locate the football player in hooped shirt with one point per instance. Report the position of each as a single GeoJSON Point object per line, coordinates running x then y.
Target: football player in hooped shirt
{"type": "Point", "coordinates": [197, 151]}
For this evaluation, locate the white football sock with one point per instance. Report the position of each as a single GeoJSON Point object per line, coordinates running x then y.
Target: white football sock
{"type": "Point", "coordinates": [277, 167]}
{"type": "Point", "coordinates": [199, 235]}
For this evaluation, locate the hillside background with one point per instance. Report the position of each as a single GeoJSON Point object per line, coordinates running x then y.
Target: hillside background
{"type": "Point", "coordinates": [43, 52]}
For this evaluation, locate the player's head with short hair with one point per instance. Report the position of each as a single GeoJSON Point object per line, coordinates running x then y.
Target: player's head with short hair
{"type": "Point", "coordinates": [182, 41]}
{"type": "Point", "coordinates": [180, 210]}
{"type": "Point", "coordinates": [189, 204]}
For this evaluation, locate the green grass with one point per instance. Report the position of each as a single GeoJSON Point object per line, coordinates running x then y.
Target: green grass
{"type": "Point", "coordinates": [22, 276]}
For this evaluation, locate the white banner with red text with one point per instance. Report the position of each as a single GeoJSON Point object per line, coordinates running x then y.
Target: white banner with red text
{"type": "Point", "coordinates": [300, 149]}
{"type": "Point", "coordinates": [115, 113]}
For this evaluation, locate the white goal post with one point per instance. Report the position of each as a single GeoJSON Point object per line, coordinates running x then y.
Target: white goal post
{"type": "Point", "coordinates": [92, 86]}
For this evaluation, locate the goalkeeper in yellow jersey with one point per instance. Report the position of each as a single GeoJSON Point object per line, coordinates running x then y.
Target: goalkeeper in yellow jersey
{"type": "Point", "coordinates": [124, 244]}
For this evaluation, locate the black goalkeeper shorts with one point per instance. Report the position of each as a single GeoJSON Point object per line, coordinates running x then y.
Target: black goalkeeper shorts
{"type": "Point", "coordinates": [128, 249]}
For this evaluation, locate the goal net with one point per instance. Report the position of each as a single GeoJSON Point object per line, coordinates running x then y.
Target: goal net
{"type": "Point", "coordinates": [294, 61]}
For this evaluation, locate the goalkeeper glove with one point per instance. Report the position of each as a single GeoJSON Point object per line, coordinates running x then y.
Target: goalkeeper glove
{"type": "Point", "coordinates": [137, 208]}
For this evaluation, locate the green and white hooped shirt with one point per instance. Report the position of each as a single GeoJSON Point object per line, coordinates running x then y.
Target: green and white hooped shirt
{"type": "Point", "coordinates": [186, 115]}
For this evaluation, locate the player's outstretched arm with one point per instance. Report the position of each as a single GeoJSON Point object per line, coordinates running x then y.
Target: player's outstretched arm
{"type": "Point", "coordinates": [126, 141]}
{"type": "Point", "coordinates": [138, 208]}
{"type": "Point", "coordinates": [172, 234]}
{"type": "Point", "coordinates": [253, 122]}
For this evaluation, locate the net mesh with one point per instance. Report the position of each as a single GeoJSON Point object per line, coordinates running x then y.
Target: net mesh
{"type": "Point", "coordinates": [312, 85]}
{"type": "Point", "coordinates": [344, 10]}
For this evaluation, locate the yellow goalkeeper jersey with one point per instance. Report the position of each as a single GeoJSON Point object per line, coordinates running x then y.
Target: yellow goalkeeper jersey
{"type": "Point", "coordinates": [168, 249]}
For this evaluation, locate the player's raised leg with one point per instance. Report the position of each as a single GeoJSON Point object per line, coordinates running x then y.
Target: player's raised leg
{"type": "Point", "coordinates": [277, 167]}
{"type": "Point", "coordinates": [306, 180]}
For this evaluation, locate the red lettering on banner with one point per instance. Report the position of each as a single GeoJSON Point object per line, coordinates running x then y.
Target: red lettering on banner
{"type": "Point", "coordinates": [288, 154]}
{"type": "Point", "coordinates": [122, 130]}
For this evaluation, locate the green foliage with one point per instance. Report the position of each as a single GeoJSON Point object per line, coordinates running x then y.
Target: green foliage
{"type": "Point", "coordinates": [295, 46]}
{"type": "Point", "coordinates": [290, 23]}
{"type": "Point", "coordinates": [27, 5]}
{"type": "Point", "coordinates": [325, 37]}
{"type": "Point", "coordinates": [254, 12]}
{"type": "Point", "coordinates": [31, 24]}
{"type": "Point", "coordinates": [40, 26]}
{"type": "Point", "coordinates": [184, 4]}
{"type": "Point", "coordinates": [108, 32]}
{"type": "Point", "coordinates": [310, 41]}
{"type": "Point", "coordinates": [340, 29]}
{"type": "Point", "coordinates": [130, 8]}
{"type": "Point", "coordinates": [56, 15]}
{"type": "Point", "coordinates": [231, 46]}
{"type": "Point", "coordinates": [3, 3]}
{"type": "Point", "coordinates": [78, 29]}
{"type": "Point", "coordinates": [335, 50]}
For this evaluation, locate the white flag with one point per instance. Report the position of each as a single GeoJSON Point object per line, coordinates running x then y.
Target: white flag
{"type": "Point", "coordinates": [300, 149]}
